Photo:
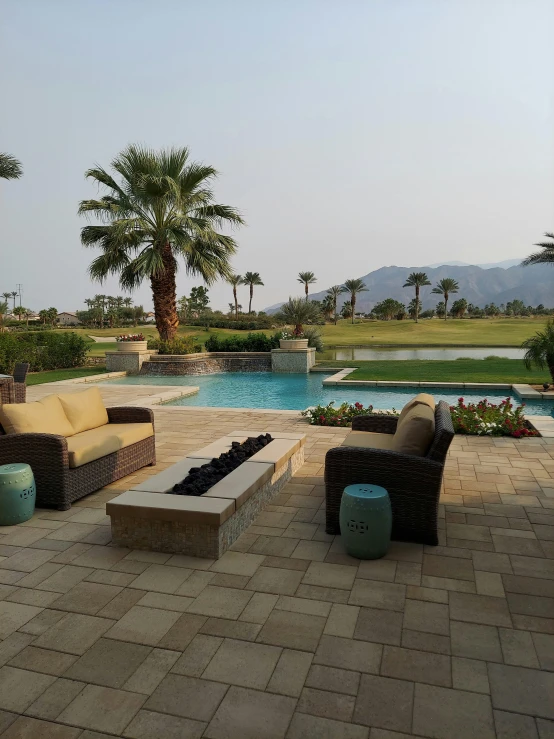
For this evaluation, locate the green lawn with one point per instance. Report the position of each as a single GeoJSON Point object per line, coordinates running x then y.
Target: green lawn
{"type": "Point", "coordinates": [467, 370]}
{"type": "Point", "coordinates": [38, 378]}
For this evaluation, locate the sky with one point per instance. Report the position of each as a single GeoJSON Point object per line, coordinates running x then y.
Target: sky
{"type": "Point", "coordinates": [351, 134]}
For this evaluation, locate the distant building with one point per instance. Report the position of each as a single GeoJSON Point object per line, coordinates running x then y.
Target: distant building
{"type": "Point", "coordinates": [150, 317]}
{"type": "Point", "coordinates": [68, 319]}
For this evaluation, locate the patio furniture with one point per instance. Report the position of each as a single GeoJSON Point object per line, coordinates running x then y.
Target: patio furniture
{"type": "Point", "coordinates": [412, 478]}
{"type": "Point", "coordinates": [19, 380]}
{"type": "Point", "coordinates": [365, 521]}
{"type": "Point", "coordinates": [75, 445]}
{"type": "Point", "coordinates": [17, 494]}
{"type": "Point", "coordinates": [7, 393]}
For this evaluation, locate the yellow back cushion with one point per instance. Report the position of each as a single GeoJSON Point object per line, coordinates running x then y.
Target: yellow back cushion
{"type": "Point", "coordinates": [415, 434]}
{"type": "Point", "coordinates": [44, 416]}
{"type": "Point", "coordinates": [84, 410]}
{"type": "Point", "coordinates": [423, 398]}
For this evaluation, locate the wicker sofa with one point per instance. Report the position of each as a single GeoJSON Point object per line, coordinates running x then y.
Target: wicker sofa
{"type": "Point", "coordinates": [98, 447]}
{"type": "Point", "coordinates": [413, 482]}
{"type": "Point", "coordinates": [20, 381]}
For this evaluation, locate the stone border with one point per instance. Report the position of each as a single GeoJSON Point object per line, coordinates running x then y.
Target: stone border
{"type": "Point", "coordinates": [148, 517]}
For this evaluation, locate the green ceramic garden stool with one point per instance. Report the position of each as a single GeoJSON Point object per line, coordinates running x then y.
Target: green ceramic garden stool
{"type": "Point", "coordinates": [365, 521]}
{"type": "Point", "coordinates": [17, 493]}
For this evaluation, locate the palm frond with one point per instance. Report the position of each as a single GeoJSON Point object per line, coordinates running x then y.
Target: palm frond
{"type": "Point", "coordinates": [10, 167]}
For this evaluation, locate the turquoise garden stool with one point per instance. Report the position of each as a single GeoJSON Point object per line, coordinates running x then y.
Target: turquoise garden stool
{"type": "Point", "coordinates": [365, 521]}
{"type": "Point", "coordinates": [17, 494]}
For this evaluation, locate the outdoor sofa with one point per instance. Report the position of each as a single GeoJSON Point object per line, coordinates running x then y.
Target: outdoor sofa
{"type": "Point", "coordinates": [74, 444]}
{"type": "Point", "coordinates": [406, 455]}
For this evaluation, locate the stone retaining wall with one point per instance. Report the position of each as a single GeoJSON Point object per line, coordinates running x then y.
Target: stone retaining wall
{"type": "Point", "coordinates": [207, 364]}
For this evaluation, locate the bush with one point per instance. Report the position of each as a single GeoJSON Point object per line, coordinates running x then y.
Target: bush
{"type": "Point", "coordinates": [249, 343]}
{"type": "Point", "coordinates": [328, 415]}
{"type": "Point", "coordinates": [487, 419]}
{"type": "Point", "coordinates": [243, 324]}
{"type": "Point", "coordinates": [493, 357]}
{"type": "Point", "coordinates": [44, 350]}
{"type": "Point", "coordinates": [180, 345]}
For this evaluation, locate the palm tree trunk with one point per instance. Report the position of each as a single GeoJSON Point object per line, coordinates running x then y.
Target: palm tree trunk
{"type": "Point", "coordinates": [445, 306]}
{"type": "Point", "coordinates": [251, 296]}
{"type": "Point", "coordinates": [236, 303]}
{"type": "Point", "coordinates": [164, 294]}
{"type": "Point", "coordinates": [353, 306]}
{"type": "Point", "coordinates": [335, 309]}
{"type": "Point", "coordinates": [306, 291]}
{"type": "Point", "coordinates": [417, 304]}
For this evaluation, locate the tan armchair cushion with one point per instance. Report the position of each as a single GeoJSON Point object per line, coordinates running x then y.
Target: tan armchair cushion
{"type": "Point", "coordinates": [96, 443]}
{"type": "Point", "coordinates": [369, 440]}
{"type": "Point", "coordinates": [415, 434]}
{"type": "Point", "coordinates": [44, 416]}
{"type": "Point", "coordinates": [423, 398]}
{"type": "Point", "coordinates": [84, 410]}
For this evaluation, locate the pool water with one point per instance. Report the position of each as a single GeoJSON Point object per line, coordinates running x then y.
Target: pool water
{"type": "Point", "coordinates": [297, 392]}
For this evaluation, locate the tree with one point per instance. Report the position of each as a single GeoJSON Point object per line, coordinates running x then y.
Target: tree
{"type": "Point", "coordinates": [14, 295]}
{"type": "Point", "coordinates": [539, 349]}
{"type": "Point", "coordinates": [251, 279]}
{"type": "Point", "coordinates": [334, 292]}
{"type": "Point", "coordinates": [417, 280]}
{"type": "Point", "coordinates": [10, 167]}
{"type": "Point", "coordinates": [158, 209]}
{"type": "Point", "coordinates": [388, 309]}
{"type": "Point", "coordinates": [19, 311]}
{"type": "Point", "coordinates": [353, 287]}
{"type": "Point", "coordinates": [198, 300]}
{"type": "Point", "coordinates": [7, 296]}
{"type": "Point", "coordinates": [52, 316]}
{"type": "Point", "coordinates": [446, 287]}
{"type": "Point", "coordinates": [127, 302]}
{"type": "Point", "coordinates": [328, 307]}
{"type": "Point", "coordinates": [43, 315]}
{"type": "Point", "coordinates": [491, 309]}
{"type": "Point", "coordinates": [3, 311]}
{"type": "Point", "coordinates": [299, 312]}
{"type": "Point", "coordinates": [183, 308]}
{"type": "Point", "coordinates": [234, 281]}
{"type": "Point", "coordinates": [440, 310]}
{"type": "Point", "coordinates": [306, 278]}
{"type": "Point", "coordinates": [459, 307]}
{"type": "Point", "coordinates": [542, 257]}
{"type": "Point", "coordinates": [515, 308]}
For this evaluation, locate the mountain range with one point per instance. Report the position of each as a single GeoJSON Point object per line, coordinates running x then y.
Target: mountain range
{"type": "Point", "coordinates": [478, 285]}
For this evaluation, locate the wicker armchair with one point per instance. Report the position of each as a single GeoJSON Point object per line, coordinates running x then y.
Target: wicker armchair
{"type": "Point", "coordinates": [58, 485]}
{"type": "Point", "coordinates": [413, 483]}
{"type": "Point", "coordinates": [19, 381]}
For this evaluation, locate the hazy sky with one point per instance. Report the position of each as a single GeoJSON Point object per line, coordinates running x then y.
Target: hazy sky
{"type": "Point", "coordinates": [352, 134]}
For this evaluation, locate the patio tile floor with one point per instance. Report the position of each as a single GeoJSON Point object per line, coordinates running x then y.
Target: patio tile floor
{"type": "Point", "coordinates": [286, 636]}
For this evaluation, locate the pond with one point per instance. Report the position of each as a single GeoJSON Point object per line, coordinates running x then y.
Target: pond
{"type": "Point", "coordinates": [347, 353]}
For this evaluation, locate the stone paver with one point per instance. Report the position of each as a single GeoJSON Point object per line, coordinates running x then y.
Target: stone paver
{"type": "Point", "coordinates": [286, 636]}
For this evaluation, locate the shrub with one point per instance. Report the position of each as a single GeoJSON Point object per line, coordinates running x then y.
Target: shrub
{"type": "Point", "coordinates": [484, 418]}
{"type": "Point", "coordinates": [243, 324]}
{"type": "Point", "coordinates": [493, 357]}
{"type": "Point", "coordinates": [180, 345]}
{"type": "Point", "coordinates": [328, 415]}
{"type": "Point", "coordinates": [249, 343]}
{"type": "Point", "coordinates": [44, 350]}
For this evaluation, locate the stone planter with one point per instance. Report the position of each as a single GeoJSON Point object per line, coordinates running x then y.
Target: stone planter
{"type": "Point", "coordinates": [292, 344]}
{"type": "Point", "coordinates": [132, 346]}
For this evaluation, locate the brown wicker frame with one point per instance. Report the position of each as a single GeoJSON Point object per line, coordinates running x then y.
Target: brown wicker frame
{"type": "Point", "coordinates": [58, 485]}
{"type": "Point", "coordinates": [413, 483]}
{"type": "Point", "coordinates": [19, 381]}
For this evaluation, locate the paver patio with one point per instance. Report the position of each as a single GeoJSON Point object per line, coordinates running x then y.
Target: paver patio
{"type": "Point", "coordinates": [286, 636]}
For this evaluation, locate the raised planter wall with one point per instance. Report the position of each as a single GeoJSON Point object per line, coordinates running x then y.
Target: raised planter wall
{"type": "Point", "coordinates": [207, 363]}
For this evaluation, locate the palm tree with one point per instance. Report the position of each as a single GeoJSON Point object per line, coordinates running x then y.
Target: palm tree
{"type": "Point", "coordinates": [306, 278]}
{"type": "Point", "coordinates": [158, 208]}
{"type": "Point", "coordinates": [14, 295]}
{"type": "Point", "coordinates": [3, 311]}
{"type": "Point", "coordinates": [542, 257]}
{"type": "Point", "coordinates": [127, 302]}
{"type": "Point", "coordinates": [417, 280]}
{"type": "Point", "coordinates": [235, 280]}
{"type": "Point", "coordinates": [446, 287]}
{"type": "Point", "coordinates": [251, 278]}
{"type": "Point", "coordinates": [298, 312]}
{"type": "Point", "coordinates": [540, 349]}
{"type": "Point", "coordinates": [353, 287]}
{"type": "Point", "coordinates": [10, 167]}
{"type": "Point", "coordinates": [333, 293]}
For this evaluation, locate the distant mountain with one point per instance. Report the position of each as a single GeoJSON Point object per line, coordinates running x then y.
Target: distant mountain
{"type": "Point", "coordinates": [506, 264]}
{"type": "Point", "coordinates": [478, 285]}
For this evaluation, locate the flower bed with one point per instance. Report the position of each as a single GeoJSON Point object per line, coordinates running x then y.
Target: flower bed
{"type": "Point", "coordinates": [328, 415]}
{"type": "Point", "coordinates": [130, 337]}
{"type": "Point", "coordinates": [487, 419]}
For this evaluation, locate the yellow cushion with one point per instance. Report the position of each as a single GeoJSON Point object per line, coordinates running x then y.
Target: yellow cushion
{"type": "Point", "coordinates": [44, 416]}
{"type": "Point", "coordinates": [423, 398]}
{"type": "Point", "coordinates": [415, 434]}
{"type": "Point", "coordinates": [84, 410]}
{"type": "Point", "coordinates": [369, 440]}
{"type": "Point", "coordinates": [96, 443]}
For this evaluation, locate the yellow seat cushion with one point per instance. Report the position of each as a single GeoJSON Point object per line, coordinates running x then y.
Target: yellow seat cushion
{"type": "Point", "coordinates": [44, 416]}
{"type": "Point", "coordinates": [415, 434]}
{"type": "Point", "coordinates": [93, 444]}
{"type": "Point", "coordinates": [85, 410]}
{"type": "Point", "coordinates": [423, 398]}
{"type": "Point", "coordinates": [369, 440]}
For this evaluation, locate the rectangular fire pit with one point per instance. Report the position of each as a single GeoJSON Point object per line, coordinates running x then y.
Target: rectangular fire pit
{"type": "Point", "coordinates": [149, 517]}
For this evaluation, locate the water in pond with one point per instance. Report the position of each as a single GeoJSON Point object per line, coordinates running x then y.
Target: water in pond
{"type": "Point", "coordinates": [296, 392]}
{"type": "Point", "coordinates": [347, 353]}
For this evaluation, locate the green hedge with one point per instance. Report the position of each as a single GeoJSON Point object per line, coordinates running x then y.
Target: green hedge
{"type": "Point", "coordinates": [44, 350]}
{"type": "Point", "coordinates": [250, 343]}
{"type": "Point", "coordinates": [179, 345]}
{"type": "Point", "coordinates": [256, 324]}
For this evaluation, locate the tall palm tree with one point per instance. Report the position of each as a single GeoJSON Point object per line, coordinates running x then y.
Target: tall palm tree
{"type": "Point", "coordinates": [10, 167]}
{"type": "Point", "coordinates": [6, 297]}
{"type": "Point", "coordinates": [306, 278]}
{"type": "Point", "coordinates": [542, 257]}
{"type": "Point", "coordinates": [159, 208]}
{"type": "Point", "coordinates": [235, 280]}
{"type": "Point", "coordinates": [127, 302]}
{"type": "Point", "coordinates": [14, 295]}
{"type": "Point", "coordinates": [251, 278]}
{"type": "Point", "coordinates": [417, 280]}
{"type": "Point", "coordinates": [353, 287]}
{"type": "Point", "coordinates": [446, 287]}
{"type": "Point", "coordinates": [334, 292]}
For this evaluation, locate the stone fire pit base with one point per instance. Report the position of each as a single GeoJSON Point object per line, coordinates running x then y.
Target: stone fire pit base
{"type": "Point", "coordinates": [147, 517]}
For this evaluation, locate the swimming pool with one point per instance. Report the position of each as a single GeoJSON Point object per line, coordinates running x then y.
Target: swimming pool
{"type": "Point", "coordinates": [297, 392]}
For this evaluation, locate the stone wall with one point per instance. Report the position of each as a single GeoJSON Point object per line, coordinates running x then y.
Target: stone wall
{"type": "Point", "coordinates": [292, 361]}
{"type": "Point", "coordinates": [207, 364]}
{"type": "Point", "coordinates": [130, 362]}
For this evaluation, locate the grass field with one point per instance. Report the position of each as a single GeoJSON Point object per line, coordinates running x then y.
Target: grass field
{"type": "Point", "coordinates": [467, 370]}
{"type": "Point", "coordinates": [39, 378]}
